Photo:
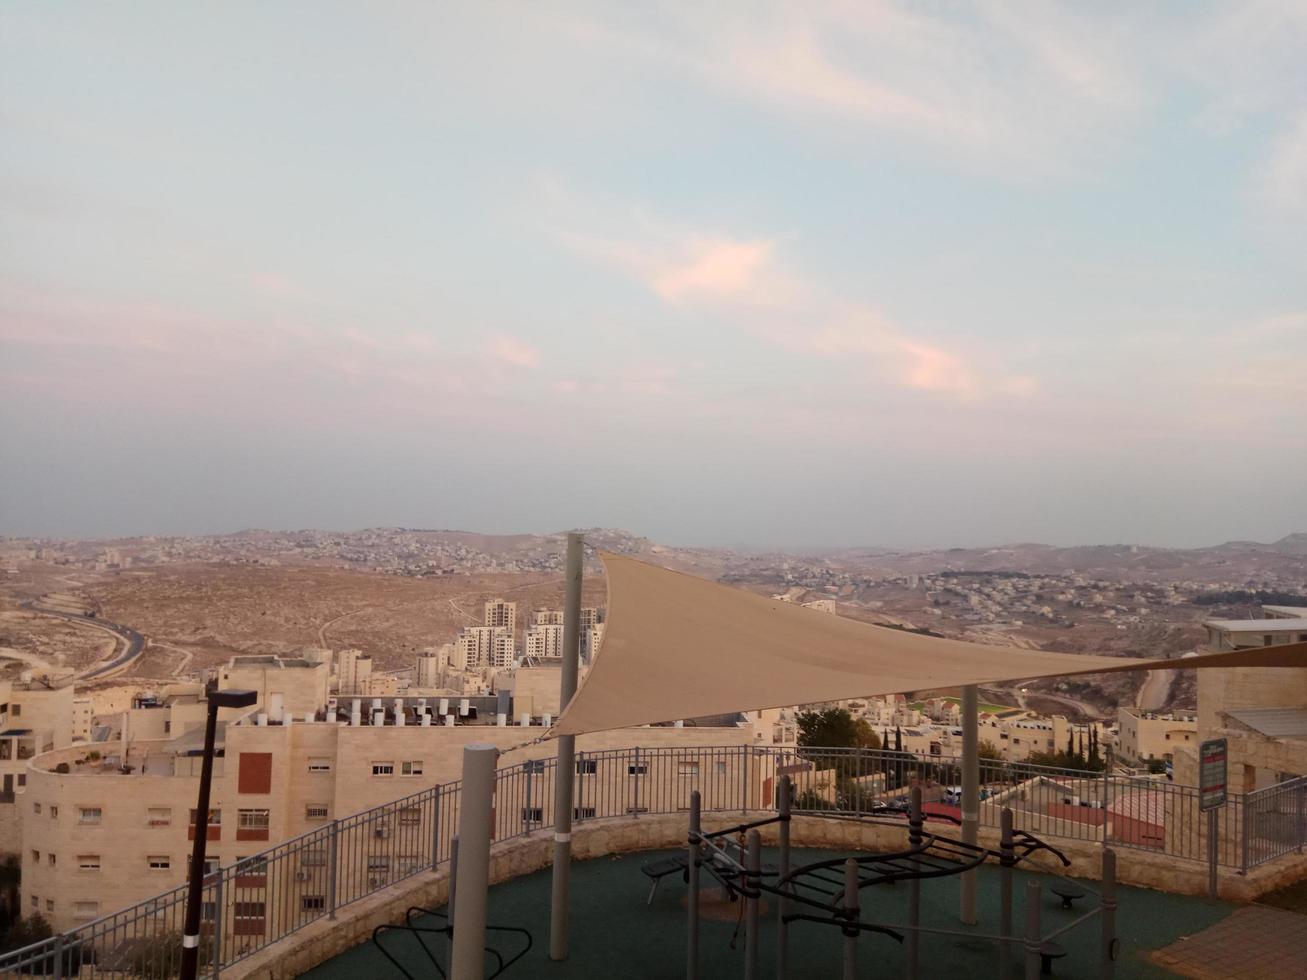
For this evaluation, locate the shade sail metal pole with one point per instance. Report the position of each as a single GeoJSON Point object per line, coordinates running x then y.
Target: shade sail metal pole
{"type": "Point", "coordinates": [752, 880]}
{"type": "Point", "coordinates": [852, 916]}
{"type": "Point", "coordinates": [784, 793]}
{"type": "Point", "coordinates": [970, 793]}
{"type": "Point", "coordinates": [469, 959]}
{"type": "Point", "coordinates": [565, 769]}
{"type": "Point", "coordinates": [692, 891]}
{"type": "Point", "coordinates": [1107, 938]}
{"type": "Point", "coordinates": [1034, 939]}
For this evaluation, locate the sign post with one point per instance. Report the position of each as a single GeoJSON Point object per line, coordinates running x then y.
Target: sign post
{"type": "Point", "coordinates": [1213, 778]}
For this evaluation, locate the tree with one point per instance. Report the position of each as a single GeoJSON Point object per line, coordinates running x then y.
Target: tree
{"type": "Point", "coordinates": [835, 728]}
{"type": "Point", "coordinates": [988, 750]}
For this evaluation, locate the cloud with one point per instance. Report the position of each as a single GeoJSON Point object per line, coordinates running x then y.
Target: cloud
{"type": "Point", "coordinates": [1282, 180]}
{"type": "Point", "coordinates": [714, 268]}
{"type": "Point", "coordinates": [513, 351]}
{"type": "Point", "coordinates": [1020, 87]}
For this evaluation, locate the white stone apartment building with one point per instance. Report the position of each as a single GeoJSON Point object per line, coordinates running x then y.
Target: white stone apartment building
{"type": "Point", "coordinates": [353, 672]}
{"type": "Point", "coordinates": [501, 614]}
{"type": "Point", "coordinates": [1262, 711]}
{"type": "Point", "coordinates": [479, 647]}
{"type": "Point", "coordinates": [96, 839]}
{"type": "Point", "coordinates": [1145, 736]}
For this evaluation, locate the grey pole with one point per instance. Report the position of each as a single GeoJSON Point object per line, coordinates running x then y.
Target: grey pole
{"type": "Point", "coordinates": [692, 895]}
{"type": "Point", "coordinates": [453, 890]}
{"type": "Point", "coordinates": [565, 767]}
{"type": "Point", "coordinates": [1107, 940]}
{"type": "Point", "coordinates": [970, 793]}
{"type": "Point", "coordinates": [1033, 936]}
{"type": "Point", "coordinates": [1212, 830]}
{"type": "Point", "coordinates": [752, 879]}
{"type": "Point", "coordinates": [784, 791]}
{"type": "Point", "coordinates": [1006, 861]}
{"type": "Point", "coordinates": [914, 885]}
{"type": "Point", "coordinates": [469, 960]}
{"type": "Point", "coordinates": [851, 911]}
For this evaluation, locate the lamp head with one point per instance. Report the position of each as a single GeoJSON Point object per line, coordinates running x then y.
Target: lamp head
{"type": "Point", "coordinates": [234, 698]}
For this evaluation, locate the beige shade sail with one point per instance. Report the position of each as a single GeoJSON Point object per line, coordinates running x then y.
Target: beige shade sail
{"type": "Point", "coordinates": [676, 646]}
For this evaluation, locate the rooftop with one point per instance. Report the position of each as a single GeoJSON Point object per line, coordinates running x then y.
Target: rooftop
{"type": "Point", "coordinates": [1276, 722]}
{"type": "Point", "coordinates": [1257, 625]}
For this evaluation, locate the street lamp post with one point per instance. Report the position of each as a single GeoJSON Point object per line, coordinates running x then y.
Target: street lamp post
{"type": "Point", "coordinates": [191, 931]}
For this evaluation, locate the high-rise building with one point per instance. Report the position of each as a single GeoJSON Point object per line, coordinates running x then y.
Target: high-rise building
{"type": "Point", "coordinates": [430, 666]}
{"type": "Point", "coordinates": [549, 617]}
{"type": "Point", "coordinates": [543, 640]}
{"type": "Point", "coordinates": [502, 614]}
{"type": "Point", "coordinates": [483, 646]}
{"type": "Point", "coordinates": [353, 672]}
{"type": "Point", "coordinates": [590, 639]}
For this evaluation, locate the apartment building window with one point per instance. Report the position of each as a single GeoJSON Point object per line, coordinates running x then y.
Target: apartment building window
{"type": "Point", "coordinates": [36, 807]}
{"type": "Point", "coordinates": [36, 902]}
{"type": "Point", "coordinates": [86, 910]}
{"type": "Point", "coordinates": [410, 863]}
{"type": "Point", "coordinates": [583, 812]}
{"type": "Point", "coordinates": [15, 710]}
{"type": "Point", "coordinates": [211, 863]}
{"type": "Point", "coordinates": [36, 856]}
{"type": "Point", "coordinates": [54, 812]}
{"type": "Point", "coordinates": [536, 766]}
{"type": "Point", "coordinates": [410, 816]}
{"type": "Point", "coordinates": [51, 859]}
{"type": "Point", "coordinates": [215, 817]}
{"type": "Point", "coordinates": [319, 765]}
{"type": "Point", "coordinates": [159, 862]}
{"type": "Point", "coordinates": [89, 814]}
{"type": "Point", "coordinates": [315, 811]}
{"type": "Point", "coordinates": [413, 768]}
{"type": "Point", "coordinates": [533, 814]}
{"type": "Point", "coordinates": [586, 767]}
{"type": "Point", "coordinates": [249, 910]}
{"type": "Point", "coordinates": [88, 862]}
{"type": "Point", "coordinates": [640, 770]}
{"type": "Point", "coordinates": [49, 904]}
{"type": "Point", "coordinates": [687, 769]}
{"type": "Point", "coordinates": [252, 819]}
{"type": "Point", "coordinates": [383, 768]}
{"type": "Point", "coordinates": [378, 862]}
{"type": "Point", "coordinates": [159, 816]}
{"type": "Point", "coordinates": [257, 866]}
{"type": "Point", "coordinates": [313, 903]}
{"type": "Point", "coordinates": [315, 858]}
{"type": "Point", "coordinates": [720, 767]}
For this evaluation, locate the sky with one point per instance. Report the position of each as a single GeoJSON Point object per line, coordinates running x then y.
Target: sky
{"type": "Point", "coordinates": [863, 273]}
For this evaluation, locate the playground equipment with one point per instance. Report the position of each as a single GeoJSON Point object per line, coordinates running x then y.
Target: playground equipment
{"type": "Point", "coordinates": [827, 892]}
{"type": "Point", "coordinates": [447, 930]}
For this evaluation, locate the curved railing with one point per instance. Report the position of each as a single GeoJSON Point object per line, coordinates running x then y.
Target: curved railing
{"type": "Point", "coordinates": [261, 899]}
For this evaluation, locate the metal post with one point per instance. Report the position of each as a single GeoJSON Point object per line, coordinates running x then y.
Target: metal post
{"type": "Point", "coordinates": [914, 885]}
{"type": "Point", "coordinates": [970, 794]}
{"type": "Point", "coordinates": [565, 770]}
{"type": "Point", "coordinates": [217, 926]}
{"type": "Point", "coordinates": [744, 779]}
{"type": "Point", "coordinates": [1211, 853]}
{"type": "Point", "coordinates": [1107, 918]}
{"type": "Point", "coordinates": [1006, 860]}
{"type": "Point", "coordinates": [635, 807]}
{"type": "Point", "coordinates": [435, 827]}
{"type": "Point", "coordinates": [784, 791]}
{"type": "Point", "coordinates": [752, 879]}
{"type": "Point", "coordinates": [332, 867]}
{"type": "Point", "coordinates": [453, 890]}
{"type": "Point", "coordinates": [692, 896]}
{"type": "Point", "coordinates": [1033, 937]}
{"type": "Point", "coordinates": [59, 956]}
{"type": "Point", "coordinates": [190, 961]}
{"type": "Point", "coordinates": [852, 915]}
{"type": "Point", "coordinates": [474, 867]}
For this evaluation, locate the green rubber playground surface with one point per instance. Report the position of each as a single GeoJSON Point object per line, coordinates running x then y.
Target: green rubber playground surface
{"type": "Point", "coordinates": [615, 934]}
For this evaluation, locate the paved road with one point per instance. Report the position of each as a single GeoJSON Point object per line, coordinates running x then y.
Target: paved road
{"type": "Point", "coordinates": [1156, 690]}
{"type": "Point", "coordinates": [133, 642]}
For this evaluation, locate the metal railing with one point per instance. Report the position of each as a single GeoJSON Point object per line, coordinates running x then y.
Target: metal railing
{"type": "Point", "coordinates": [262, 899]}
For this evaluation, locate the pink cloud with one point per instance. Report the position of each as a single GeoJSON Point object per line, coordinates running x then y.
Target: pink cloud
{"type": "Point", "coordinates": [713, 268]}
{"type": "Point", "coordinates": [513, 351]}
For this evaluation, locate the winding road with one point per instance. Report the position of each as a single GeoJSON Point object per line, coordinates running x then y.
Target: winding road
{"type": "Point", "coordinates": [133, 642]}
